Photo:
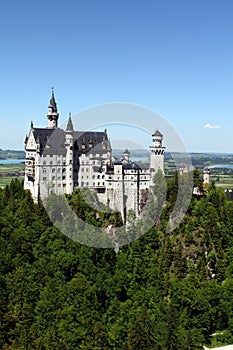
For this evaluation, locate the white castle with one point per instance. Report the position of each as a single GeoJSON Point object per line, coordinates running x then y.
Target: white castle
{"type": "Point", "coordinates": [61, 161]}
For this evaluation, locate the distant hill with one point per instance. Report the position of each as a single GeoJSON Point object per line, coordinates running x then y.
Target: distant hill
{"type": "Point", "coordinates": [11, 154]}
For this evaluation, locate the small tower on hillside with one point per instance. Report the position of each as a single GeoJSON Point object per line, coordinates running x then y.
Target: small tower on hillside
{"type": "Point", "coordinates": [206, 176]}
{"type": "Point", "coordinates": [157, 153]}
{"type": "Point", "coordinates": [52, 114]}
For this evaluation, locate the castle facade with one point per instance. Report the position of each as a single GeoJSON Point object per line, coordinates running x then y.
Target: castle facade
{"type": "Point", "coordinates": [60, 161]}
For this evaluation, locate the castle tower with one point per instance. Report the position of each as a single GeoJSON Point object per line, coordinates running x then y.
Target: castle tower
{"type": "Point", "coordinates": [69, 156]}
{"type": "Point", "coordinates": [156, 153]}
{"type": "Point", "coordinates": [206, 176]}
{"type": "Point", "coordinates": [52, 114]}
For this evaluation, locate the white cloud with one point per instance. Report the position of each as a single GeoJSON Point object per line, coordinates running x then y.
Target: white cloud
{"type": "Point", "coordinates": [209, 126]}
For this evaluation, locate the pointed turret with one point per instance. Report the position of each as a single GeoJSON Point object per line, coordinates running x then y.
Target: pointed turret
{"type": "Point", "coordinates": [52, 114]}
{"type": "Point", "coordinates": [126, 155]}
{"type": "Point", "coordinates": [70, 124]}
{"type": "Point", "coordinates": [52, 103]}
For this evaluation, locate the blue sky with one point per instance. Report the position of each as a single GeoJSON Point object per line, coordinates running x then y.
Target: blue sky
{"type": "Point", "coordinates": [174, 57]}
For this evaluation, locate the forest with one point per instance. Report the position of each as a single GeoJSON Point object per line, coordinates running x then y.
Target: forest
{"type": "Point", "coordinates": [163, 291]}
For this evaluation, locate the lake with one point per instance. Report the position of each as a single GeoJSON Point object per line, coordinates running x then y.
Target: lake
{"type": "Point", "coordinates": [11, 161]}
{"type": "Point", "coordinates": [222, 166]}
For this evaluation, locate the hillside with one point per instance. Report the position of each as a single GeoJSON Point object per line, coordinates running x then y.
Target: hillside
{"type": "Point", "coordinates": [163, 291]}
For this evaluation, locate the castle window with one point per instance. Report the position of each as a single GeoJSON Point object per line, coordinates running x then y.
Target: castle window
{"type": "Point", "coordinates": [93, 176]}
{"type": "Point", "coordinates": [44, 170]}
{"type": "Point", "coordinates": [44, 162]}
{"type": "Point", "coordinates": [103, 183]}
{"type": "Point", "coordinates": [44, 178]}
{"type": "Point", "coordinates": [93, 162]}
{"type": "Point", "coordinates": [53, 178]}
{"type": "Point", "coordinates": [93, 183]}
{"type": "Point", "coordinates": [59, 185]}
{"type": "Point", "coordinates": [87, 184]}
{"type": "Point", "coordinates": [82, 184]}
{"type": "Point", "coordinates": [51, 163]}
{"type": "Point", "coordinates": [82, 169]}
{"type": "Point", "coordinates": [59, 170]}
{"type": "Point", "coordinates": [87, 169]}
{"type": "Point", "coordinates": [98, 176]}
{"type": "Point", "coordinates": [53, 170]}
{"type": "Point", "coordinates": [102, 176]}
{"type": "Point", "coordinates": [98, 183]}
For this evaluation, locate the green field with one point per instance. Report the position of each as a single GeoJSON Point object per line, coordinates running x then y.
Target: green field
{"type": "Point", "coordinates": [223, 181]}
{"type": "Point", "coordinates": [9, 172]}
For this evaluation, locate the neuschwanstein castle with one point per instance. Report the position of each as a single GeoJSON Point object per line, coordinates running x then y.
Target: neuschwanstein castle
{"type": "Point", "coordinates": [61, 161]}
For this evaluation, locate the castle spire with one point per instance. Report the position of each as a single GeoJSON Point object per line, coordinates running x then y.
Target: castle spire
{"type": "Point", "coordinates": [70, 124]}
{"type": "Point", "coordinates": [52, 103]}
{"type": "Point", "coordinates": [52, 114]}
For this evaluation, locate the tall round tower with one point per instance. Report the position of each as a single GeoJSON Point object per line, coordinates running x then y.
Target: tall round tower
{"type": "Point", "coordinates": [157, 153]}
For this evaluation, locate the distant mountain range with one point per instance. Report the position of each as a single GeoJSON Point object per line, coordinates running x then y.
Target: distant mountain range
{"type": "Point", "coordinates": [11, 154]}
{"type": "Point", "coordinates": [199, 159]}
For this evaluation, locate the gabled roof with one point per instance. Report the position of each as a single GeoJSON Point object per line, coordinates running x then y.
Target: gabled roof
{"type": "Point", "coordinates": [91, 141]}
{"type": "Point", "coordinates": [52, 141]}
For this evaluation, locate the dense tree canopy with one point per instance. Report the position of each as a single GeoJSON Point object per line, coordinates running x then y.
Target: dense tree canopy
{"type": "Point", "coordinates": [163, 291]}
